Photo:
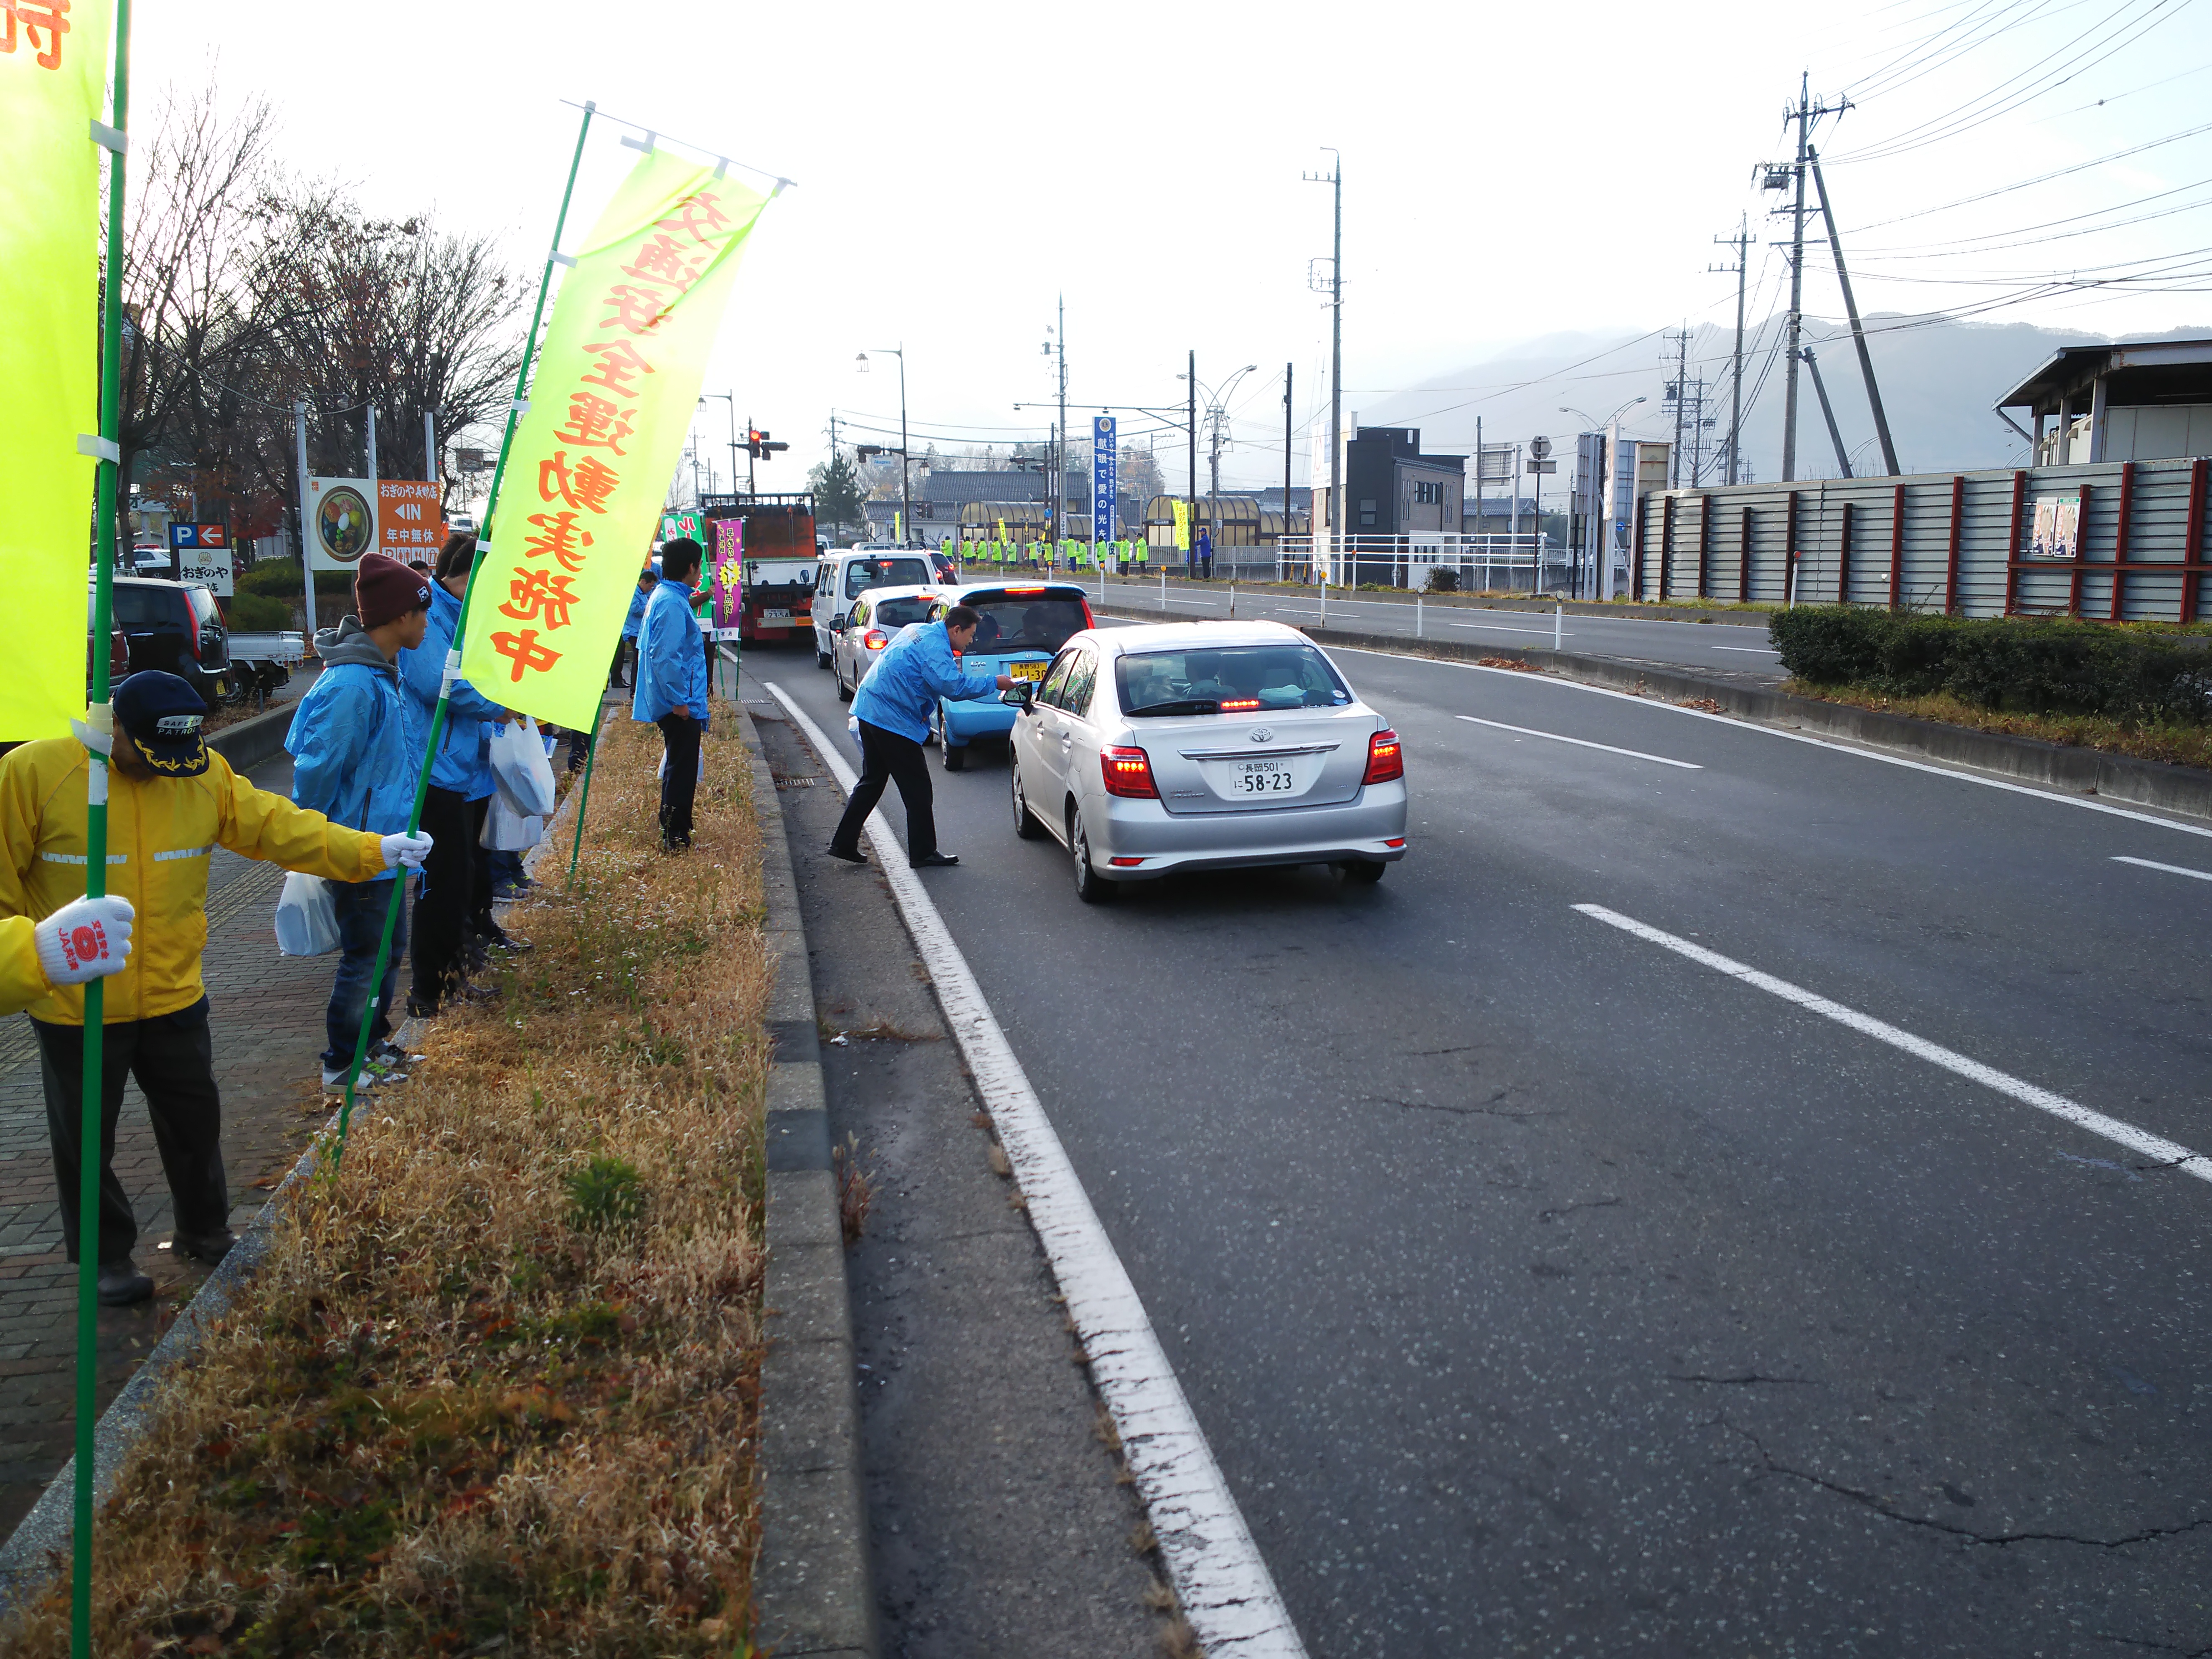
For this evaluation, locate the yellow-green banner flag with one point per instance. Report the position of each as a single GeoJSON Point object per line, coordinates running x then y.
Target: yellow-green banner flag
{"type": "Point", "coordinates": [616, 383]}
{"type": "Point", "coordinates": [1182, 526]}
{"type": "Point", "coordinates": [53, 79]}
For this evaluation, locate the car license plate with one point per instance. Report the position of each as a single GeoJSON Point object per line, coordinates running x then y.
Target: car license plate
{"type": "Point", "coordinates": [1027, 671]}
{"type": "Point", "coordinates": [1261, 777]}
{"type": "Point", "coordinates": [775, 616]}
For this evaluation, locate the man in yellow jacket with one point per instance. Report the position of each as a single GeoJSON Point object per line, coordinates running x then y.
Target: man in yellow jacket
{"type": "Point", "coordinates": [171, 801]}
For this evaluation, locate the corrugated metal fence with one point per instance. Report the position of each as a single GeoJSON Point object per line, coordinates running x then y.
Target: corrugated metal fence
{"type": "Point", "coordinates": [1960, 544]}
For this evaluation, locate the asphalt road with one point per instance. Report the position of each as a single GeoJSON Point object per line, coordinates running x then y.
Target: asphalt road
{"type": "Point", "coordinates": [1544, 1291]}
{"type": "Point", "coordinates": [1739, 650]}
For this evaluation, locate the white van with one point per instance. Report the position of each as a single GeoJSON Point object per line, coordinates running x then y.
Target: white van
{"type": "Point", "coordinates": [845, 576]}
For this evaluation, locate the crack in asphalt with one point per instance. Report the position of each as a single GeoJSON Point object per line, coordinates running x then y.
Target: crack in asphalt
{"type": "Point", "coordinates": [1479, 1109]}
{"type": "Point", "coordinates": [1774, 1467]}
{"type": "Point", "coordinates": [1745, 1381]}
{"type": "Point", "coordinates": [2155, 1647]}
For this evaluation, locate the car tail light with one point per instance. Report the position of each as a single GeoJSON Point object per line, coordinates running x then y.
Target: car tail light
{"type": "Point", "coordinates": [875, 639]}
{"type": "Point", "coordinates": [1237, 705]}
{"type": "Point", "coordinates": [1386, 760]}
{"type": "Point", "coordinates": [1128, 774]}
{"type": "Point", "coordinates": [1089, 621]}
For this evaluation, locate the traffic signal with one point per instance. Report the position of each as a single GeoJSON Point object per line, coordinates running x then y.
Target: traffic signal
{"type": "Point", "coordinates": [758, 447]}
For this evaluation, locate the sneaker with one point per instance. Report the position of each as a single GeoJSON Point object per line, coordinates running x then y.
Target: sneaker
{"type": "Point", "coordinates": [210, 1248]}
{"type": "Point", "coordinates": [391, 1054]}
{"type": "Point", "coordinates": [375, 1075]}
{"type": "Point", "coordinates": [120, 1284]}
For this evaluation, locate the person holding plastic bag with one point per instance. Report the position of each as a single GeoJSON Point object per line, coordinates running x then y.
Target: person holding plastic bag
{"type": "Point", "coordinates": [671, 686]}
{"type": "Point", "coordinates": [171, 801]}
{"type": "Point", "coordinates": [355, 758]}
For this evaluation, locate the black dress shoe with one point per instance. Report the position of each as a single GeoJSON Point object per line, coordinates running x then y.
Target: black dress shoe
{"type": "Point", "coordinates": [500, 937]}
{"type": "Point", "coordinates": [210, 1248]}
{"type": "Point", "coordinates": [934, 860]}
{"type": "Point", "coordinates": [851, 855]}
{"type": "Point", "coordinates": [120, 1284]}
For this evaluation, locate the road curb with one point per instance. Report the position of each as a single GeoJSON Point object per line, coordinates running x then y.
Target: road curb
{"type": "Point", "coordinates": [249, 743]}
{"type": "Point", "coordinates": [2060, 767]}
{"type": "Point", "coordinates": [1624, 611]}
{"type": "Point", "coordinates": [812, 1589]}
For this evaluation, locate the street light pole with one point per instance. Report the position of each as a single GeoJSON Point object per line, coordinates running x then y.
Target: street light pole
{"type": "Point", "coordinates": [906, 491]}
{"type": "Point", "coordinates": [1334, 178]}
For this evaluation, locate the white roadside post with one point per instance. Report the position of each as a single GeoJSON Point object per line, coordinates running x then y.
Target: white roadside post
{"type": "Point", "coordinates": [1559, 615]}
{"type": "Point", "coordinates": [1417, 615]}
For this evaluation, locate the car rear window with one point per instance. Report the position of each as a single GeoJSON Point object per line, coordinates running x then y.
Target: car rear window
{"type": "Point", "coordinates": [144, 607]}
{"type": "Point", "coordinates": [1234, 679]}
{"type": "Point", "coordinates": [204, 604]}
{"type": "Point", "coordinates": [861, 574]}
{"type": "Point", "coordinates": [897, 613]}
{"type": "Point", "coordinates": [1018, 622]}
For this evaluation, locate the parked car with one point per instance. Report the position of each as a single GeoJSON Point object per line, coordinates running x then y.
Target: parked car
{"type": "Point", "coordinates": [1183, 746]}
{"type": "Point", "coordinates": [176, 628]}
{"type": "Point", "coordinates": [876, 619]}
{"type": "Point", "coordinates": [461, 524]}
{"type": "Point", "coordinates": [155, 561]}
{"type": "Point", "coordinates": [118, 649]}
{"type": "Point", "coordinates": [1022, 625]}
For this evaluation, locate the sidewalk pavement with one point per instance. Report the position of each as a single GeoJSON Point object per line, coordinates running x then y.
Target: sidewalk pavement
{"type": "Point", "coordinates": [267, 1014]}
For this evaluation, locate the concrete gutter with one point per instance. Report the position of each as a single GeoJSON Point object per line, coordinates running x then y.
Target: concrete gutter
{"type": "Point", "coordinates": [2063, 766]}
{"type": "Point", "coordinates": [812, 1589]}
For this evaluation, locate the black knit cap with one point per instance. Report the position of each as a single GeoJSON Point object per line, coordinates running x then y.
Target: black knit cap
{"type": "Point", "coordinates": [163, 716]}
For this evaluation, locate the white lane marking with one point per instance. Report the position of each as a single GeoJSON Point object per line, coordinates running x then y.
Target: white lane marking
{"type": "Point", "coordinates": [2170, 869]}
{"type": "Point", "coordinates": [1580, 743]}
{"type": "Point", "coordinates": [1739, 725]}
{"type": "Point", "coordinates": [1500, 628]}
{"type": "Point", "coordinates": [1754, 650]}
{"type": "Point", "coordinates": [1227, 1592]}
{"type": "Point", "coordinates": [2157, 1149]}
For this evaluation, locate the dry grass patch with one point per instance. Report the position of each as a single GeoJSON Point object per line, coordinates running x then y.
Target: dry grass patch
{"type": "Point", "coordinates": [2176, 743]}
{"type": "Point", "coordinates": [495, 1389]}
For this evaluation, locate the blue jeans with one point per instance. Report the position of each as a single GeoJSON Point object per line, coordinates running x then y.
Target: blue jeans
{"type": "Point", "coordinates": [360, 909]}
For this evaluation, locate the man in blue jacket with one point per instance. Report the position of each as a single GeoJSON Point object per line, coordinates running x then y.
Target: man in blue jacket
{"type": "Point", "coordinates": [893, 707]}
{"type": "Point", "coordinates": [460, 772]}
{"type": "Point", "coordinates": [671, 685]}
{"type": "Point", "coordinates": [356, 755]}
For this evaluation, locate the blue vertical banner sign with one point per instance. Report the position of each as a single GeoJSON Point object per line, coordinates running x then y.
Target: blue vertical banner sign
{"type": "Point", "coordinates": [1103, 459]}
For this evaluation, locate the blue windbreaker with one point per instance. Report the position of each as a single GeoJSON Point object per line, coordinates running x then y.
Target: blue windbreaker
{"type": "Point", "coordinates": [463, 762]}
{"type": "Point", "coordinates": [671, 664]}
{"type": "Point", "coordinates": [632, 622]}
{"type": "Point", "coordinates": [355, 755]}
{"type": "Point", "coordinates": [916, 670]}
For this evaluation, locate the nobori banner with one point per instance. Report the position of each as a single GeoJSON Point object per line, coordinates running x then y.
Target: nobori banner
{"type": "Point", "coordinates": [587, 470]}
{"type": "Point", "coordinates": [1103, 460]}
{"type": "Point", "coordinates": [54, 94]}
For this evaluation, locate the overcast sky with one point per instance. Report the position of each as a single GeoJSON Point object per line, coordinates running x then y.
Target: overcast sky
{"type": "Point", "coordinates": [1509, 172]}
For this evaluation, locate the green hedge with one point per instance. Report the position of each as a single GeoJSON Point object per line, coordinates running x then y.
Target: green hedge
{"type": "Point", "coordinates": [281, 581]}
{"type": "Point", "coordinates": [259, 613]}
{"type": "Point", "coordinates": [2030, 665]}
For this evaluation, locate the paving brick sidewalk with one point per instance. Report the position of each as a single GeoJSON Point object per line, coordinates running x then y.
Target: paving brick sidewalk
{"type": "Point", "coordinates": [267, 1015]}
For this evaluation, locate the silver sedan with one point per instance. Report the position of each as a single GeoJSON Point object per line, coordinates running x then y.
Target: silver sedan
{"type": "Point", "coordinates": [1203, 746]}
{"type": "Point", "coordinates": [876, 619]}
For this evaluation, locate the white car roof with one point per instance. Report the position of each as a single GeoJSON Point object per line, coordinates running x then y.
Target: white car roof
{"type": "Point", "coordinates": [927, 590]}
{"type": "Point", "coordinates": [1184, 636]}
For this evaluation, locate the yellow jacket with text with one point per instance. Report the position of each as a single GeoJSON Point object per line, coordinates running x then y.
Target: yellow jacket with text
{"type": "Point", "coordinates": [161, 833]}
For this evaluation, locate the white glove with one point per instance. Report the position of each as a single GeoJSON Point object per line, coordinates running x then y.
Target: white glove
{"type": "Point", "coordinates": [410, 850]}
{"type": "Point", "coordinates": [88, 938]}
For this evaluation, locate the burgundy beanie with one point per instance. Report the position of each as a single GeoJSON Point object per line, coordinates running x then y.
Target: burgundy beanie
{"type": "Point", "coordinates": [385, 590]}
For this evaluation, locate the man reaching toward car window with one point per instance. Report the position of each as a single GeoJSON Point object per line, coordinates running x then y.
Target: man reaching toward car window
{"type": "Point", "coordinates": [893, 707]}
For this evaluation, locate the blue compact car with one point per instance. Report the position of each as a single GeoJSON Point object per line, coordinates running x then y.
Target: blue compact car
{"type": "Point", "coordinates": [1022, 625]}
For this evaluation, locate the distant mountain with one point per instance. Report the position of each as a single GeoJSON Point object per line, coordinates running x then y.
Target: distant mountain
{"type": "Point", "coordinates": [1937, 380]}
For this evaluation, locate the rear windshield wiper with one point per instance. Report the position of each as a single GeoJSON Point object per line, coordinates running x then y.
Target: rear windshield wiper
{"type": "Point", "coordinates": [1188, 706]}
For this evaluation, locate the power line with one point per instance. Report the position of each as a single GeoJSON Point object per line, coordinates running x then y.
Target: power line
{"type": "Point", "coordinates": [2040, 179]}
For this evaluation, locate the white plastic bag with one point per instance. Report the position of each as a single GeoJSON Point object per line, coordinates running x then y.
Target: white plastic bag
{"type": "Point", "coordinates": [306, 920]}
{"type": "Point", "coordinates": [506, 830]}
{"type": "Point", "coordinates": [519, 768]}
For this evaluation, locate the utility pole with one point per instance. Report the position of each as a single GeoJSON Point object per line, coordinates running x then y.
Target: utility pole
{"type": "Point", "coordinates": [1804, 115]}
{"type": "Point", "coordinates": [1059, 480]}
{"type": "Point", "coordinates": [1286, 530]}
{"type": "Point", "coordinates": [1828, 414]}
{"type": "Point", "coordinates": [1742, 243]}
{"type": "Point", "coordinates": [1852, 309]}
{"type": "Point", "coordinates": [1190, 426]}
{"type": "Point", "coordinates": [1335, 179]}
{"type": "Point", "coordinates": [1679, 394]}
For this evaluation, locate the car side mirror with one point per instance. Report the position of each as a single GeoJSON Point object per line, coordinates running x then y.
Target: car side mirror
{"type": "Point", "coordinates": [1020, 697]}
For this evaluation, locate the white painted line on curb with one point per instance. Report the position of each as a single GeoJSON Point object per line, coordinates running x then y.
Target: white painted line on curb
{"type": "Point", "coordinates": [1227, 1592]}
{"type": "Point", "coordinates": [1753, 650]}
{"type": "Point", "coordinates": [2154, 1147]}
{"type": "Point", "coordinates": [2170, 869]}
{"type": "Point", "coordinates": [1579, 743]}
{"type": "Point", "coordinates": [1736, 723]}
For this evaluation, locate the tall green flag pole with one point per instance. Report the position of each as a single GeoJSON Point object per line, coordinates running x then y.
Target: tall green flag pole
{"type": "Point", "coordinates": [553, 256]}
{"type": "Point", "coordinates": [90, 1139]}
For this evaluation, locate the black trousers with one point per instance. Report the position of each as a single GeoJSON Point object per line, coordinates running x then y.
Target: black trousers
{"type": "Point", "coordinates": [480, 917]}
{"type": "Point", "coordinates": [679, 782]}
{"type": "Point", "coordinates": [885, 756]}
{"type": "Point", "coordinates": [447, 899]}
{"type": "Point", "coordinates": [172, 1057]}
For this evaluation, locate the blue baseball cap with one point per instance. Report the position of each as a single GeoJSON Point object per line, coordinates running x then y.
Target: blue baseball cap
{"type": "Point", "coordinates": [164, 717]}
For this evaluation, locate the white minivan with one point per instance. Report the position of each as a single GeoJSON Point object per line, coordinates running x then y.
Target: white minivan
{"type": "Point", "coordinates": [845, 576]}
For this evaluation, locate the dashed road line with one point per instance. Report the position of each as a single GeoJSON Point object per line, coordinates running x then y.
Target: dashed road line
{"type": "Point", "coordinates": [2170, 869]}
{"type": "Point", "coordinates": [1580, 743]}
